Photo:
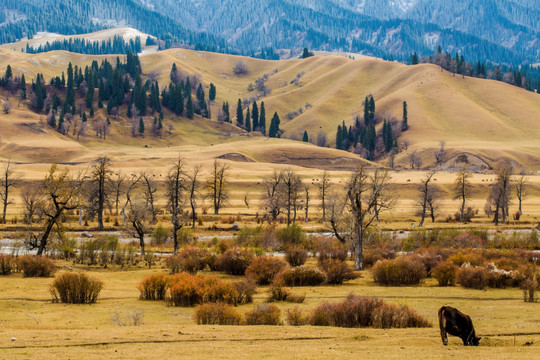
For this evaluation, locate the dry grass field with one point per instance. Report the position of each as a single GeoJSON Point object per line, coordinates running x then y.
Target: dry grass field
{"type": "Point", "coordinates": [49, 331]}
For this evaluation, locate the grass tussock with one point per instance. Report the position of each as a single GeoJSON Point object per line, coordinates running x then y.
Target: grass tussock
{"type": "Point", "coordinates": [75, 288]}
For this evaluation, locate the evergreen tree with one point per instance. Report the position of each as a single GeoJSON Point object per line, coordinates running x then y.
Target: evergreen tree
{"type": "Point", "coordinates": [22, 87]}
{"type": "Point", "coordinates": [212, 92]}
{"type": "Point", "coordinates": [274, 131]}
{"type": "Point", "coordinates": [405, 123]}
{"type": "Point", "coordinates": [248, 121]}
{"type": "Point", "coordinates": [239, 114]}
{"type": "Point", "coordinates": [52, 121]}
{"type": "Point", "coordinates": [306, 53]}
{"type": "Point", "coordinates": [91, 112]}
{"type": "Point", "coordinates": [339, 138]}
{"type": "Point", "coordinates": [89, 90]}
{"type": "Point", "coordinates": [139, 95]}
{"type": "Point", "coordinates": [225, 109]}
{"type": "Point", "coordinates": [262, 119]}
{"type": "Point", "coordinates": [414, 59]}
{"type": "Point", "coordinates": [70, 94]}
{"type": "Point", "coordinates": [141, 126]}
{"type": "Point", "coordinates": [84, 118]}
{"type": "Point", "coordinates": [255, 117]}
{"type": "Point", "coordinates": [60, 123]}
{"type": "Point", "coordinates": [189, 107]}
{"type": "Point", "coordinates": [201, 103]}
{"type": "Point", "coordinates": [305, 138]}
{"type": "Point", "coordinates": [173, 73]}
{"type": "Point", "coordinates": [9, 73]}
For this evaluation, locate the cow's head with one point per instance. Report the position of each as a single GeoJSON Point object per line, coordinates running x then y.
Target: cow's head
{"type": "Point", "coordinates": [475, 341]}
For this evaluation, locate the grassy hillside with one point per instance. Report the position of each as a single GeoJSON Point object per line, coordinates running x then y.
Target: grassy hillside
{"type": "Point", "coordinates": [483, 117]}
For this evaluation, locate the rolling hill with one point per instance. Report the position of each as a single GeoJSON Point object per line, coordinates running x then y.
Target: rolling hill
{"type": "Point", "coordinates": [486, 118]}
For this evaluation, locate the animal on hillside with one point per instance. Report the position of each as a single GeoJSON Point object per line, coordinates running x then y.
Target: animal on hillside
{"type": "Point", "coordinates": [454, 322]}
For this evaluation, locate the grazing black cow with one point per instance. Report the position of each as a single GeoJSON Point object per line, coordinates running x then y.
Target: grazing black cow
{"type": "Point", "coordinates": [454, 322]}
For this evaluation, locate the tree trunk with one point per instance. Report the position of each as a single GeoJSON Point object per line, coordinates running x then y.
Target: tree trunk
{"type": "Point", "coordinates": [463, 209]}
{"type": "Point", "coordinates": [358, 255]}
{"type": "Point", "coordinates": [175, 238]}
{"type": "Point", "coordinates": [43, 241]}
{"type": "Point", "coordinates": [5, 208]}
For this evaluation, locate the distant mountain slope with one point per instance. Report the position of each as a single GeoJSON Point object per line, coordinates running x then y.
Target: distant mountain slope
{"type": "Point", "coordinates": [496, 30]}
{"type": "Point", "coordinates": [483, 117]}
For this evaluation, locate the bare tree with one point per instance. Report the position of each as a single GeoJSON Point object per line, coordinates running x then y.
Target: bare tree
{"type": "Point", "coordinates": [367, 195]}
{"type": "Point", "coordinates": [415, 161]}
{"type": "Point", "coordinates": [32, 196]}
{"type": "Point", "coordinates": [98, 187]}
{"type": "Point", "coordinates": [324, 187]}
{"type": "Point", "coordinates": [520, 185]}
{"type": "Point", "coordinates": [463, 189]}
{"type": "Point", "coordinates": [117, 186]}
{"type": "Point", "coordinates": [193, 189]}
{"type": "Point", "coordinates": [9, 180]}
{"type": "Point", "coordinates": [292, 183]}
{"type": "Point", "coordinates": [150, 188]}
{"type": "Point", "coordinates": [425, 194]}
{"type": "Point", "coordinates": [131, 186]}
{"type": "Point", "coordinates": [216, 186]}
{"type": "Point", "coordinates": [138, 213]}
{"type": "Point", "coordinates": [440, 156]}
{"type": "Point", "coordinates": [176, 185]}
{"type": "Point", "coordinates": [6, 107]}
{"type": "Point", "coordinates": [61, 196]}
{"type": "Point", "coordinates": [273, 197]}
{"type": "Point", "coordinates": [321, 139]}
{"type": "Point", "coordinates": [499, 195]}
{"type": "Point", "coordinates": [307, 198]}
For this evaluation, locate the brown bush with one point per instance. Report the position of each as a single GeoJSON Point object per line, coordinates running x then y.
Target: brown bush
{"type": "Point", "coordinates": [331, 249]}
{"type": "Point", "coordinates": [217, 314]}
{"type": "Point", "coordinates": [190, 290]}
{"type": "Point", "coordinates": [337, 271]}
{"type": "Point", "coordinates": [264, 268]}
{"type": "Point", "coordinates": [400, 271]}
{"type": "Point", "coordinates": [428, 258]}
{"type": "Point", "coordinates": [7, 264]}
{"type": "Point", "coordinates": [445, 274]}
{"type": "Point", "coordinates": [36, 266]}
{"type": "Point", "coordinates": [300, 276]}
{"type": "Point", "coordinates": [279, 293]}
{"type": "Point", "coordinates": [371, 256]}
{"type": "Point", "coordinates": [234, 261]}
{"type": "Point", "coordinates": [462, 257]}
{"type": "Point", "coordinates": [295, 317]}
{"type": "Point", "coordinates": [76, 288]}
{"type": "Point", "coordinates": [154, 287]}
{"type": "Point", "coordinates": [296, 256]}
{"type": "Point", "coordinates": [472, 277]}
{"type": "Point", "coordinates": [246, 289]}
{"type": "Point", "coordinates": [363, 311]}
{"type": "Point", "coordinates": [264, 314]}
{"type": "Point", "coordinates": [189, 259]}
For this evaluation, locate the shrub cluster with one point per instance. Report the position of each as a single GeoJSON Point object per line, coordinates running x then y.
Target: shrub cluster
{"type": "Point", "coordinates": [217, 314]}
{"type": "Point", "coordinates": [279, 293]}
{"type": "Point", "coordinates": [295, 317]}
{"type": "Point", "coordinates": [36, 266]}
{"type": "Point", "coordinates": [445, 273]}
{"type": "Point", "coordinates": [76, 288]}
{"type": "Point", "coordinates": [472, 277]}
{"type": "Point", "coordinates": [399, 271]}
{"type": "Point", "coordinates": [363, 311]}
{"type": "Point", "coordinates": [336, 271]}
{"type": "Point", "coordinates": [7, 264]}
{"type": "Point", "coordinates": [99, 250]}
{"type": "Point", "coordinates": [154, 287]}
{"type": "Point", "coordinates": [296, 256]}
{"type": "Point", "coordinates": [371, 256]}
{"type": "Point", "coordinates": [234, 261]}
{"type": "Point", "coordinates": [264, 268]}
{"type": "Point", "coordinates": [264, 314]}
{"type": "Point", "coordinates": [292, 235]}
{"type": "Point", "coordinates": [189, 259]}
{"type": "Point", "coordinates": [300, 276]}
{"type": "Point", "coordinates": [189, 290]}
{"type": "Point", "coordinates": [331, 249]}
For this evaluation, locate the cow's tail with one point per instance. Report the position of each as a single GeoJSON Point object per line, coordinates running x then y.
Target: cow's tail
{"type": "Point", "coordinates": [442, 319]}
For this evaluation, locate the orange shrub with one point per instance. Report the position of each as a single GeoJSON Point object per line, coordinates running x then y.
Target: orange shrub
{"type": "Point", "coordinates": [300, 276]}
{"type": "Point", "coordinates": [474, 258]}
{"type": "Point", "coordinates": [217, 314]}
{"type": "Point", "coordinates": [445, 274]}
{"type": "Point", "coordinates": [472, 277]}
{"type": "Point", "coordinates": [246, 289]}
{"type": "Point", "coordinates": [295, 317]}
{"type": "Point", "coordinates": [76, 288]}
{"type": "Point", "coordinates": [264, 314]}
{"type": "Point", "coordinates": [279, 293]}
{"type": "Point", "coordinates": [264, 268]}
{"type": "Point", "coordinates": [371, 256]}
{"type": "Point", "coordinates": [400, 271]}
{"type": "Point", "coordinates": [154, 287]}
{"type": "Point", "coordinates": [189, 259]}
{"type": "Point", "coordinates": [7, 264]}
{"type": "Point", "coordinates": [331, 249]}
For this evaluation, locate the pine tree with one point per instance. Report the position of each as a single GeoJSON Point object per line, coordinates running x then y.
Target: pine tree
{"type": "Point", "coordinates": [225, 108]}
{"type": "Point", "coordinates": [84, 118]}
{"type": "Point", "coordinates": [248, 121]}
{"type": "Point", "coordinates": [274, 131]}
{"type": "Point", "coordinates": [89, 90]}
{"type": "Point", "coordinates": [173, 73]}
{"type": "Point", "coordinates": [262, 119]}
{"type": "Point", "coordinates": [255, 116]}
{"type": "Point", "coordinates": [9, 72]}
{"type": "Point", "coordinates": [70, 95]}
{"type": "Point", "coordinates": [189, 107]}
{"type": "Point", "coordinates": [405, 123]}
{"type": "Point", "coordinates": [52, 121]}
{"type": "Point", "coordinates": [414, 59]}
{"type": "Point", "coordinates": [239, 114]}
{"type": "Point", "coordinates": [141, 126]}
{"type": "Point", "coordinates": [305, 138]}
{"type": "Point", "coordinates": [339, 138]}
{"type": "Point", "coordinates": [22, 87]}
{"type": "Point", "coordinates": [212, 92]}
{"type": "Point", "coordinates": [91, 112]}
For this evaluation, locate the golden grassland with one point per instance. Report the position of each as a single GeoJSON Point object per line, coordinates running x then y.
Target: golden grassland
{"type": "Point", "coordinates": [47, 330]}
